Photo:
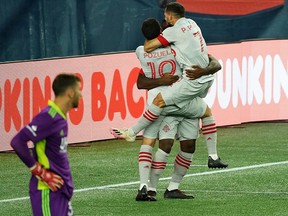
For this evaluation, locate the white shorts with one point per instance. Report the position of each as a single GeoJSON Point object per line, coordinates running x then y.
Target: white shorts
{"type": "Point", "coordinates": [183, 91]}
{"type": "Point", "coordinates": [152, 130]}
{"type": "Point", "coordinates": [193, 109]}
{"type": "Point", "coordinates": [183, 128]}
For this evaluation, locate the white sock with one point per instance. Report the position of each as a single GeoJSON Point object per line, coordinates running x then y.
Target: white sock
{"type": "Point", "coordinates": [150, 115]}
{"type": "Point", "coordinates": [181, 165]}
{"type": "Point", "coordinates": [144, 164]}
{"type": "Point", "coordinates": [158, 165]}
{"type": "Point", "coordinates": [210, 134]}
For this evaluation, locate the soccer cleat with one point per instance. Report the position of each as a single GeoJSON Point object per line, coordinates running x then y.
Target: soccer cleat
{"type": "Point", "coordinates": [143, 195]}
{"type": "Point", "coordinates": [152, 194]}
{"type": "Point", "coordinates": [126, 134]}
{"type": "Point", "coordinates": [176, 194]}
{"type": "Point", "coordinates": [216, 163]}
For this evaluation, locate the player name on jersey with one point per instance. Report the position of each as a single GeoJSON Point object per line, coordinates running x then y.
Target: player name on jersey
{"type": "Point", "coordinates": [158, 54]}
{"type": "Point", "coordinates": [187, 28]}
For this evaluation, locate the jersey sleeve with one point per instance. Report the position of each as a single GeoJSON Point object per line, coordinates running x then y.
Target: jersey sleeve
{"type": "Point", "coordinates": [20, 144]}
{"type": "Point", "coordinates": [167, 37]}
{"type": "Point", "coordinates": [39, 128]}
{"type": "Point", "coordinates": [139, 51]}
{"type": "Point", "coordinates": [163, 41]}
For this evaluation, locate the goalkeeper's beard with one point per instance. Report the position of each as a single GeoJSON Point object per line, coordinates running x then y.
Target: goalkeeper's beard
{"type": "Point", "coordinates": [75, 104]}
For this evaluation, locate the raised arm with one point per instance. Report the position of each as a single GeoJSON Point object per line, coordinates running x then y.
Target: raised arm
{"type": "Point", "coordinates": [150, 45]}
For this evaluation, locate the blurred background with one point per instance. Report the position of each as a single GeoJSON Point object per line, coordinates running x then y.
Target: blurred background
{"type": "Point", "coordinates": [36, 29]}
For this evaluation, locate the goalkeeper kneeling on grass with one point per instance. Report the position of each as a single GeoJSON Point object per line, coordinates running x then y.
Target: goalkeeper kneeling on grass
{"type": "Point", "coordinates": [51, 185]}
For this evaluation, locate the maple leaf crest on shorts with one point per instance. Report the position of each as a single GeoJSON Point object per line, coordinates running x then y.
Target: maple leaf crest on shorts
{"type": "Point", "coordinates": [166, 128]}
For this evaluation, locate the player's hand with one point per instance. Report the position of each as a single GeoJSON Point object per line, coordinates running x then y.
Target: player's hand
{"type": "Point", "coordinates": [195, 72]}
{"type": "Point", "coordinates": [52, 180]}
{"type": "Point", "coordinates": [168, 79]}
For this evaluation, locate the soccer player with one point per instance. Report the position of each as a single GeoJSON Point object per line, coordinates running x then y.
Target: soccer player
{"type": "Point", "coordinates": [187, 131]}
{"type": "Point", "coordinates": [51, 185]}
{"type": "Point", "coordinates": [182, 88]}
{"type": "Point", "coordinates": [165, 62]}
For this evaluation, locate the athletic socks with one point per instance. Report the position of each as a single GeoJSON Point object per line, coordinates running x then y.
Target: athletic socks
{"type": "Point", "coordinates": [144, 164]}
{"type": "Point", "coordinates": [158, 165]}
{"type": "Point", "coordinates": [150, 115]}
{"type": "Point", "coordinates": [181, 165]}
{"type": "Point", "coordinates": [210, 134]}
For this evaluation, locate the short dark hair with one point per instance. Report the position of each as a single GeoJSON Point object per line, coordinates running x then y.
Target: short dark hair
{"type": "Point", "coordinates": [64, 81]}
{"type": "Point", "coordinates": [151, 28]}
{"type": "Point", "coordinates": [176, 8]}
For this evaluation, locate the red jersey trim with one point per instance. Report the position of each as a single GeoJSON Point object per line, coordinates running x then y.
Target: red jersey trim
{"type": "Point", "coordinates": [163, 41]}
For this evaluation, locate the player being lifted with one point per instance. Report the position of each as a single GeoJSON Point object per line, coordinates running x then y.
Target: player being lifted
{"type": "Point", "coordinates": [186, 39]}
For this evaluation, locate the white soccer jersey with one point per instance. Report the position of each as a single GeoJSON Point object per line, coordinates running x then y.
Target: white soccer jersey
{"type": "Point", "coordinates": [189, 44]}
{"type": "Point", "coordinates": [157, 63]}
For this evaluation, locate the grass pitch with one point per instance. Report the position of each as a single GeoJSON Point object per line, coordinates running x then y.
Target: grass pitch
{"type": "Point", "coordinates": [106, 177]}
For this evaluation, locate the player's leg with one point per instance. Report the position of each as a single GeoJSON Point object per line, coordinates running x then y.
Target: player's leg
{"type": "Point", "coordinates": [188, 132]}
{"type": "Point", "coordinates": [145, 159]}
{"type": "Point", "coordinates": [150, 115]}
{"type": "Point", "coordinates": [40, 201]}
{"type": "Point", "coordinates": [197, 108]}
{"type": "Point", "coordinates": [184, 91]}
{"type": "Point", "coordinates": [159, 164]}
{"type": "Point", "coordinates": [144, 166]}
{"type": "Point", "coordinates": [60, 204]}
{"type": "Point", "coordinates": [178, 96]}
{"type": "Point", "coordinates": [46, 202]}
{"type": "Point", "coordinates": [182, 163]}
{"type": "Point", "coordinates": [167, 132]}
{"type": "Point", "coordinates": [181, 93]}
{"type": "Point", "coordinates": [209, 131]}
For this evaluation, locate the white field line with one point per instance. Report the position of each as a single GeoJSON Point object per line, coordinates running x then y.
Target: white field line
{"type": "Point", "coordinates": [162, 179]}
{"type": "Point", "coordinates": [193, 165]}
{"type": "Point", "coordinates": [209, 191]}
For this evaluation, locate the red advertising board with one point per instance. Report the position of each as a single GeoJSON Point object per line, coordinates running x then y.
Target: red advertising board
{"type": "Point", "coordinates": [252, 86]}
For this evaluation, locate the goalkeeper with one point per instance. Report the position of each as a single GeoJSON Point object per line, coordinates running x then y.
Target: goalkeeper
{"type": "Point", "coordinates": [51, 185]}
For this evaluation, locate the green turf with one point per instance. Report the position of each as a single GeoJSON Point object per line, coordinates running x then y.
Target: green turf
{"type": "Point", "coordinates": [257, 191]}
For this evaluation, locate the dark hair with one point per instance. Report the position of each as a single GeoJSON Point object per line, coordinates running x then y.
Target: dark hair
{"type": "Point", "coordinates": [165, 25]}
{"type": "Point", "coordinates": [163, 3]}
{"type": "Point", "coordinates": [64, 81]}
{"type": "Point", "coordinates": [176, 8]}
{"type": "Point", "coordinates": [151, 28]}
